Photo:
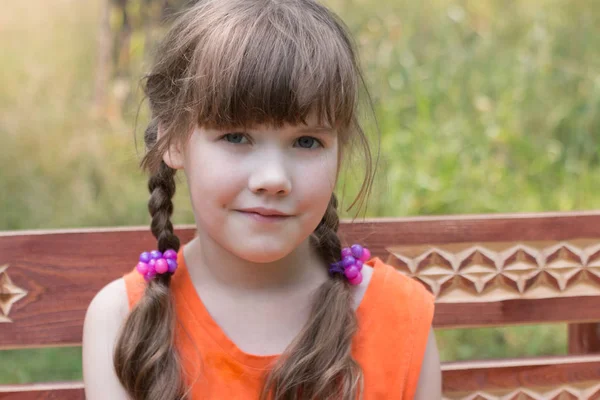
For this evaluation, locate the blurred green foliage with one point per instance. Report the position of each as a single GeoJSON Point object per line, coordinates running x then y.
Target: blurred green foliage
{"type": "Point", "coordinates": [55, 364]}
{"type": "Point", "coordinates": [483, 106]}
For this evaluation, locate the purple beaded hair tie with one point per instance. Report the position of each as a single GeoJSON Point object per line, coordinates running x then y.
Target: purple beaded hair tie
{"type": "Point", "coordinates": [155, 262]}
{"type": "Point", "coordinates": [351, 264]}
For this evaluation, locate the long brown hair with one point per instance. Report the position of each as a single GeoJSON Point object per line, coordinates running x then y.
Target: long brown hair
{"type": "Point", "coordinates": [242, 63]}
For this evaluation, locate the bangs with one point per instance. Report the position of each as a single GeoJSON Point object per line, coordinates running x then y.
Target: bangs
{"type": "Point", "coordinates": [273, 64]}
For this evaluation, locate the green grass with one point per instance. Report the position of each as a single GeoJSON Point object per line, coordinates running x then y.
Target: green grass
{"type": "Point", "coordinates": [40, 365]}
{"type": "Point", "coordinates": [484, 106]}
{"type": "Point", "coordinates": [505, 342]}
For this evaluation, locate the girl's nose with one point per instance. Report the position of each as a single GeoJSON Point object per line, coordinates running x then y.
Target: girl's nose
{"type": "Point", "coordinates": [270, 177]}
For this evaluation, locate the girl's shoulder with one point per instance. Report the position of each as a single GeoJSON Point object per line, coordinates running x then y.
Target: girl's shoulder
{"type": "Point", "coordinates": [103, 319]}
{"type": "Point", "coordinates": [110, 301]}
{"type": "Point", "coordinates": [395, 287]}
{"type": "Point", "coordinates": [397, 304]}
{"type": "Point", "coordinates": [107, 310]}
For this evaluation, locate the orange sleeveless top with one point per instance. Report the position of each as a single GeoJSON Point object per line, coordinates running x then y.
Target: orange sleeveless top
{"type": "Point", "coordinates": [394, 319]}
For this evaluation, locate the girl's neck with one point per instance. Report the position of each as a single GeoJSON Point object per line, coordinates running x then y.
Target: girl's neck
{"type": "Point", "coordinates": [212, 264]}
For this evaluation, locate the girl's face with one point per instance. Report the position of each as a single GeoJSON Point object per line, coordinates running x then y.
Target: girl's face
{"type": "Point", "coordinates": [291, 170]}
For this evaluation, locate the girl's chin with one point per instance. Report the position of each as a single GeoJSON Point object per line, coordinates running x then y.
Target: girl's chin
{"type": "Point", "coordinates": [264, 250]}
{"type": "Point", "coordinates": [262, 257]}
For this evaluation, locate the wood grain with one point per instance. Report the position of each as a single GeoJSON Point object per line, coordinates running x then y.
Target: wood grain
{"type": "Point", "coordinates": [62, 271]}
{"type": "Point", "coordinates": [584, 338]}
{"type": "Point", "coordinates": [534, 376]}
{"type": "Point", "coordinates": [43, 391]}
{"type": "Point", "coordinates": [517, 312]}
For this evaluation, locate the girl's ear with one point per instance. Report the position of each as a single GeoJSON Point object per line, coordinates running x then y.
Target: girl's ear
{"type": "Point", "coordinates": [173, 157]}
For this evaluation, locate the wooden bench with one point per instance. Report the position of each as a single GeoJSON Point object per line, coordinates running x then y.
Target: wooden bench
{"type": "Point", "coordinates": [487, 270]}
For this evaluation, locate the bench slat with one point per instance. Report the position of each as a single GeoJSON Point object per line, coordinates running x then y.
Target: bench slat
{"type": "Point", "coordinates": [43, 391]}
{"type": "Point", "coordinates": [539, 378]}
{"type": "Point", "coordinates": [514, 312]}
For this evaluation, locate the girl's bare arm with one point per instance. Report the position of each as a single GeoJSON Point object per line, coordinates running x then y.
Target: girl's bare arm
{"type": "Point", "coordinates": [104, 317]}
{"type": "Point", "coordinates": [430, 380]}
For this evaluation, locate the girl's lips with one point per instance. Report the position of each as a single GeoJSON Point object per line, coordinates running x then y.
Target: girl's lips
{"type": "Point", "coordinates": [265, 218]}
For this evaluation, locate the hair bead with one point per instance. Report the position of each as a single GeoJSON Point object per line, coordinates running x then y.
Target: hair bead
{"type": "Point", "coordinates": [351, 272]}
{"type": "Point", "coordinates": [356, 250]}
{"type": "Point", "coordinates": [155, 254]}
{"type": "Point", "coordinates": [142, 267]}
{"type": "Point", "coordinates": [157, 263]}
{"type": "Point", "coordinates": [170, 254]}
{"type": "Point", "coordinates": [161, 266]}
{"type": "Point", "coordinates": [351, 263]}
{"type": "Point", "coordinates": [145, 257]}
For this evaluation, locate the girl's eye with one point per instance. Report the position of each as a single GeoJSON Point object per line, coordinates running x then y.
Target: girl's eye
{"type": "Point", "coordinates": [307, 142]}
{"type": "Point", "coordinates": [234, 137]}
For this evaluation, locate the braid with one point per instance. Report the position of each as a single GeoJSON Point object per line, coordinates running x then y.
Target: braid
{"type": "Point", "coordinates": [146, 359]}
{"type": "Point", "coordinates": [162, 188]}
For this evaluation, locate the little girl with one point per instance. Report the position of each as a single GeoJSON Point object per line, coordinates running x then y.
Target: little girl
{"type": "Point", "coordinates": [256, 101]}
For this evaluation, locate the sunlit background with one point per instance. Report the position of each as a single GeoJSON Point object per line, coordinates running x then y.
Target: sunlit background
{"type": "Point", "coordinates": [483, 106]}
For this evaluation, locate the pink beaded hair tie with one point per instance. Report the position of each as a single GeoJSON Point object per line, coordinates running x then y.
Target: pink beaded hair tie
{"type": "Point", "coordinates": [155, 262]}
{"type": "Point", "coordinates": [351, 264]}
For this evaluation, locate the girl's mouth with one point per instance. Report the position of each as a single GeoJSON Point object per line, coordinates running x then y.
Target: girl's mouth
{"type": "Point", "coordinates": [264, 218]}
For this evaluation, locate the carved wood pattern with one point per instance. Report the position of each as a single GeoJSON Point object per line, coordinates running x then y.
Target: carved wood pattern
{"type": "Point", "coordinates": [497, 271]}
{"type": "Point", "coordinates": [9, 294]}
{"type": "Point", "coordinates": [583, 391]}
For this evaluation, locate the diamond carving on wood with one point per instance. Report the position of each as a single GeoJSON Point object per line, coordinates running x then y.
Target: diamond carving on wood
{"type": "Point", "coordinates": [9, 294]}
{"type": "Point", "coordinates": [495, 271]}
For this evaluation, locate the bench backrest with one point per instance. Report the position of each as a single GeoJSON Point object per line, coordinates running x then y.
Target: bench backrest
{"type": "Point", "coordinates": [486, 270]}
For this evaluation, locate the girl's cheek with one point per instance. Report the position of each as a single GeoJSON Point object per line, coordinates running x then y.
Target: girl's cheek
{"type": "Point", "coordinates": [317, 183]}
{"type": "Point", "coordinates": [211, 164]}
{"type": "Point", "coordinates": [208, 179]}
